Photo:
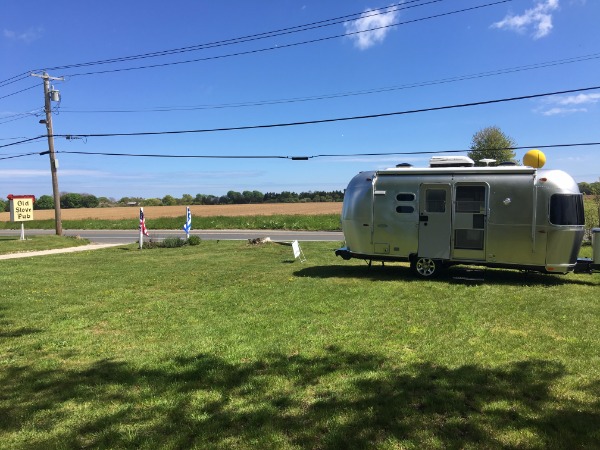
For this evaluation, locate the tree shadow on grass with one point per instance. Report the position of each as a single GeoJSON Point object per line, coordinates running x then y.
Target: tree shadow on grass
{"type": "Point", "coordinates": [455, 274]}
{"type": "Point", "coordinates": [338, 399]}
{"type": "Point", "coordinates": [8, 331]}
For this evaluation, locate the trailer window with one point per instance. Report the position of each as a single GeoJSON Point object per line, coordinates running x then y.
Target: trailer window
{"type": "Point", "coordinates": [435, 200]}
{"type": "Point", "coordinates": [468, 239]}
{"type": "Point", "coordinates": [470, 199]}
{"type": "Point", "coordinates": [402, 209]}
{"type": "Point", "coordinates": [405, 197]}
{"type": "Point", "coordinates": [566, 209]}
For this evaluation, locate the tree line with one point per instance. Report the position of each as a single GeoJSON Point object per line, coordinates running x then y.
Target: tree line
{"type": "Point", "coordinates": [74, 200]}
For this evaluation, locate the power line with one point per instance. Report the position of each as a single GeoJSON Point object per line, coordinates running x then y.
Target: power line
{"type": "Point", "coordinates": [231, 41]}
{"type": "Point", "coordinates": [248, 38]}
{"type": "Point", "coordinates": [25, 141]}
{"type": "Point", "coordinates": [584, 144]}
{"type": "Point", "coordinates": [19, 156]}
{"type": "Point", "coordinates": [19, 116]}
{"type": "Point", "coordinates": [453, 79]}
{"type": "Point", "coordinates": [370, 116]}
{"type": "Point", "coordinates": [18, 92]}
{"type": "Point", "coordinates": [283, 46]}
{"type": "Point", "coordinates": [339, 119]}
{"type": "Point", "coordinates": [427, 152]}
{"type": "Point", "coordinates": [15, 79]}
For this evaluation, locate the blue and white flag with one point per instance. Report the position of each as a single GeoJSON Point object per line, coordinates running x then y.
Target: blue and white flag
{"type": "Point", "coordinates": [188, 222]}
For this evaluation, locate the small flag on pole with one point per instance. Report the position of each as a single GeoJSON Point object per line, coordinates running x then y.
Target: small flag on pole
{"type": "Point", "coordinates": [143, 229]}
{"type": "Point", "coordinates": [188, 222]}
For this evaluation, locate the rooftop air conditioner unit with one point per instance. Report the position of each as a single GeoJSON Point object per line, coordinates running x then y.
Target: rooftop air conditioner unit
{"type": "Point", "coordinates": [451, 161]}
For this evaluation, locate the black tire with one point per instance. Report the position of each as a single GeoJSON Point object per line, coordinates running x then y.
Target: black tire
{"type": "Point", "coordinates": [426, 267]}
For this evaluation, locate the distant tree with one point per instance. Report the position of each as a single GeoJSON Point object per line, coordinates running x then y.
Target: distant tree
{"type": "Point", "coordinates": [70, 201]}
{"type": "Point", "coordinates": [104, 202]}
{"type": "Point", "coordinates": [235, 197]}
{"type": "Point", "coordinates": [288, 197]}
{"type": "Point", "coordinates": [492, 143]}
{"type": "Point", "coordinates": [3, 204]}
{"type": "Point", "coordinates": [211, 200]}
{"type": "Point", "coordinates": [151, 202]}
{"type": "Point", "coordinates": [89, 201]}
{"type": "Point", "coordinates": [252, 197]}
{"type": "Point", "coordinates": [200, 199]}
{"type": "Point", "coordinates": [169, 200]}
{"type": "Point", "coordinates": [44, 202]}
{"type": "Point", "coordinates": [585, 188]}
{"type": "Point", "coordinates": [186, 199]}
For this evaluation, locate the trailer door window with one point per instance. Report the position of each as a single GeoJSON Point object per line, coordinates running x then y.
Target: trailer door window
{"type": "Point", "coordinates": [435, 200]}
{"type": "Point", "coordinates": [566, 209]}
{"type": "Point", "coordinates": [470, 199]}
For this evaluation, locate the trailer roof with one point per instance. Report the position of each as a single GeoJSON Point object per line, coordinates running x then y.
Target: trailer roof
{"type": "Point", "coordinates": [457, 170]}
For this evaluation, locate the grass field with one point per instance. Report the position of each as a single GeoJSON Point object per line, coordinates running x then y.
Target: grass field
{"type": "Point", "coordinates": [289, 216]}
{"type": "Point", "coordinates": [11, 244]}
{"type": "Point", "coordinates": [227, 345]}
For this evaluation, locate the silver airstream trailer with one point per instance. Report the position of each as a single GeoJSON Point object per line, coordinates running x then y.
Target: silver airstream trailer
{"type": "Point", "coordinates": [454, 213]}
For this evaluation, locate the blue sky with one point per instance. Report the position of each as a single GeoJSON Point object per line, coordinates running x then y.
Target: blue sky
{"type": "Point", "coordinates": [426, 62]}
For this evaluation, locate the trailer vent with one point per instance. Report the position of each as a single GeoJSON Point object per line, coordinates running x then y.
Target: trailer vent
{"type": "Point", "coordinates": [451, 161]}
{"type": "Point", "coordinates": [403, 165]}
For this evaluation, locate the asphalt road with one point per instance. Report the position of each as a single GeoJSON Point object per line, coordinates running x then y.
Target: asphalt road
{"type": "Point", "coordinates": [129, 236]}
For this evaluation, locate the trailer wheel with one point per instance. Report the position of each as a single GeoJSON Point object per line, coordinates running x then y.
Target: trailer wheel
{"type": "Point", "coordinates": [426, 267]}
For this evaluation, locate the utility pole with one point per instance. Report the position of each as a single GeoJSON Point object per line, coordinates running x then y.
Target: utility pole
{"type": "Point", "coordinates": [53, 162]}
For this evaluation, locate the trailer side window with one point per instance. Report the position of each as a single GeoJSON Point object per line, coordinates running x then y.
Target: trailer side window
{"type": "Point", "coordinates": [566, 209]}
{"type": "Point", "coordinates": [405, 209]}
{"type": "Point", "coordinates": [405, 197]}
{"type": "Point", "coordinates": [435, 200]}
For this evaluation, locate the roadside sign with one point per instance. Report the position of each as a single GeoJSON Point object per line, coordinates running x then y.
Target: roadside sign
{"type": "Point", "coordinates": [21, 207]}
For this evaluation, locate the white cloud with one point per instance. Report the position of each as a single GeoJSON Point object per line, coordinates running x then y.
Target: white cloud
{"type": "Point", "coordinates": [579, 99]}
{"type": "Point", "coordinates": [562, 111]}
{"type": "Point", "coordinates": [370, 28]}
{"type": "Point", "coordinates": [28, 36]}
{"type": "Point", "coordinates": [537, 20]}
{"type": "Point", "coordinates": [562, 105]}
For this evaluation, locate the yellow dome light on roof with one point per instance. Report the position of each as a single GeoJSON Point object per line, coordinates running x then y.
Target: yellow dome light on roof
{"type": "Point", "coordinates": [534, 158]}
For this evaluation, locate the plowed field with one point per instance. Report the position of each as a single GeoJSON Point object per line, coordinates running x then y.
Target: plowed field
{"type": "Point", "coordinates": [267, 209]}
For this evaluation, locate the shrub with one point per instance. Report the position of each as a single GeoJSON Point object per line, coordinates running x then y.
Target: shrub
{"type": "Point", "coordinates": [194, 240]}
{"type": "Point", "coordinates": [172, 242]}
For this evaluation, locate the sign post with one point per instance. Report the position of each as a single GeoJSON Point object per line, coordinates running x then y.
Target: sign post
{"type": "Point", "coordinates": [21, 210]}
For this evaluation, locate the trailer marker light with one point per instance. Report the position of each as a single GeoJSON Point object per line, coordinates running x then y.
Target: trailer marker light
{"type": "Point", "coordinates": [543, 180]}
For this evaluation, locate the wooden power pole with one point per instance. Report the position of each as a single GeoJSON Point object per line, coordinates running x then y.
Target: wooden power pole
{"type": "Point", "coordinates": [53, 162]}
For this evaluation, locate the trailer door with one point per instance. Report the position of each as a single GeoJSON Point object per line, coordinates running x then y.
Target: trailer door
{"type": "Point", "coordinates": [470, 221]}
{"type": "Point", "coordinates": [434, 221]}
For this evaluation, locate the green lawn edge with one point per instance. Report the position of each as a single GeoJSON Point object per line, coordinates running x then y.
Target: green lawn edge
{"type": "Point", "coordinates": [326, 222]}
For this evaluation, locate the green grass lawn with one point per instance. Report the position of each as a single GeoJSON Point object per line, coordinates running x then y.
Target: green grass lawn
{"type": "Point", "coordinates": [325, 222]}
{"type": "Point", "coordinates": [13, 244]}
{"type": "Point", "coordinates": [227, 345]}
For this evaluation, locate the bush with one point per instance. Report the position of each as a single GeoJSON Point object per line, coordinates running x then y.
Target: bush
{"type": "Point", "coordinates": [194, 240]}
{"type": "Point", "coordinates": [172, 242]}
